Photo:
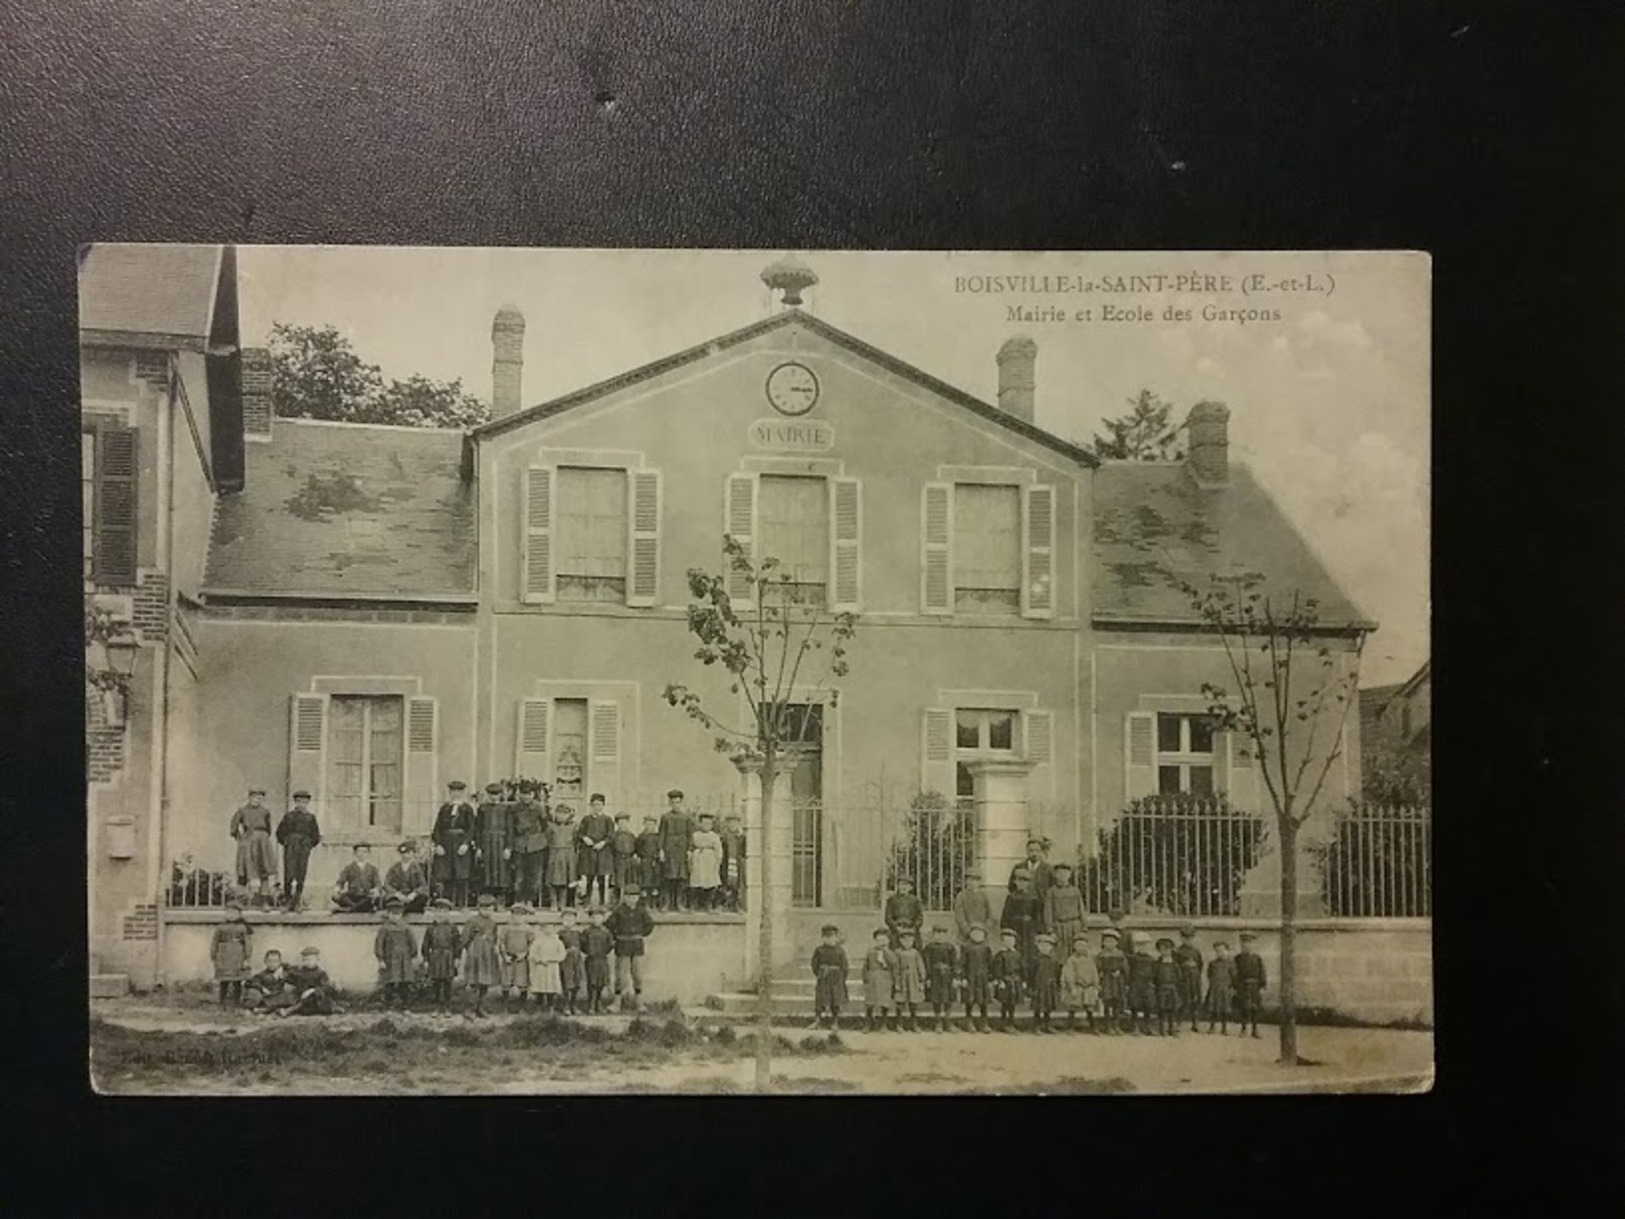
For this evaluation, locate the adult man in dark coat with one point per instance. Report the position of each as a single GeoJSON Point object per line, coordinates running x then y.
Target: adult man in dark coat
{"type": "Point", "coordinates": [453, 838]}
{"type": "Point", "coordinates": [492, 824]}
{"type": "Point", "coordinates": [676, 836]}
{"type": "Point", "coordinates": [408, 880]}
{"type": "Point", "coordinates": [904, 912]}
{"type": "Point", "coordinates": [630, 922]}
{"type": "Point", "coordinates": [528, 835]}
{"type": "Point", "coordinates": [299, 834]}
{"type": "Point", "coordinates": [1037, 868]}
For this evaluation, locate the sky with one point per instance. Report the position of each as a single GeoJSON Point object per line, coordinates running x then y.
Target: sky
{"type": "Point", "coordinates": [1329, 402]}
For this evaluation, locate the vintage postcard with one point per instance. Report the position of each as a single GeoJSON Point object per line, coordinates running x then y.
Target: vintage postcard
{"type": "Point", "coordinates": [544, 671]}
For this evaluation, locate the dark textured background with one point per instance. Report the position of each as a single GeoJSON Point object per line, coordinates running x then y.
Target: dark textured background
{"type": "Point", "coordinates": [1486, 133]}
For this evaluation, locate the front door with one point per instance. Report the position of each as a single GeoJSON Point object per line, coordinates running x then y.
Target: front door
{"type": "Point", "coordinates": [807, 805]}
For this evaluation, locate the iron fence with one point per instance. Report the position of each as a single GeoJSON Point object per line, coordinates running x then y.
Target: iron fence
{"type": "Point", "coordinates": [1172, 855]}
{"type": "Point", "coordinates": [1379, 863]}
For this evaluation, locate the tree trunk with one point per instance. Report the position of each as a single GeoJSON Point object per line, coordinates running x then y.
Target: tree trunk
{"type": "Point", "coordinates": [1289, 938]}
{"type": "Point", "coordinates": [764, 958]}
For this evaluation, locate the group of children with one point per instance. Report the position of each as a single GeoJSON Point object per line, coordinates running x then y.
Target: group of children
{"type": "Point", "coordinates": [1133, 992]}
{"type": "Point", "coordinates": [564, 968]}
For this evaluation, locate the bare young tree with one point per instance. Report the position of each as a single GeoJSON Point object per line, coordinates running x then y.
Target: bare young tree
{"type": "Point", "coordinates": [769, 650]}
{"type": "Point", "coordinates": [1289, 703]}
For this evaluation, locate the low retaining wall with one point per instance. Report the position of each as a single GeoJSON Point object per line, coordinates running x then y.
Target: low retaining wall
{"type": "Point", "coordinates": [1374, 970]}
{"type": "Point", "coordinates": [688, 957]}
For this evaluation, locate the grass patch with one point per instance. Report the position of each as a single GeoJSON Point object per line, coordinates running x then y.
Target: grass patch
{"type": "Point", "coordinates": [1331, 1018]}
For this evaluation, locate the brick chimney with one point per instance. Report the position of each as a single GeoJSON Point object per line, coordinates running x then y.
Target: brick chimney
{"type": "Point", "coordinates": [1016, 385]}
{"type": "Point", "coordinates": [507, 360]}
{"type": "Point", "coordinates": [1209, 424]}
{"type": "Point", "coordinates": [255, 372]}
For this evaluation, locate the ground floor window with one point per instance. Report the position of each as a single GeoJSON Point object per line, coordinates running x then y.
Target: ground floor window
{"type": "Point", "coordinates": [1184, 755]}
{"type": "Point", "coordinates": [365, 762]}
{"type": "Point", "coordinates": [570, 751]}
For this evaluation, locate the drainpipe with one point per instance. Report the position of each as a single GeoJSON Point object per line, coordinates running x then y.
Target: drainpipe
{"type": "Point", "coordinates": [172, 601]}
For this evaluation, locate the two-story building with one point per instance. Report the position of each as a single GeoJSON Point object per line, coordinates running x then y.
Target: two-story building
{"type": "Point", "coordinates": [372, 611]}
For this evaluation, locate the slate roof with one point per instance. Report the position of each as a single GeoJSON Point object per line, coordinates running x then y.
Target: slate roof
{"type": "Point", "coordinates": [1154, 526]}
{"type": "Point", "coordinates": [347, 510]}
{"type": "Point", "coordinates": [128, 293]}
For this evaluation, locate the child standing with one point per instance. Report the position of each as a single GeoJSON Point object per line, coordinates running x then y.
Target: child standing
{"type": "Point", "coordinates": [630, 923]}
{"type": "Point", "coordinates": [480, 953]}
{"type": "Point", "coordinates": [593, 837]}
{"type": "Point", "coordinates": [442, 945]}
{"type": "Point", "coordinates": [733, 861]}
{"type": "Point", "coordinates": [879, 970]}
{"type": "Point", "coordinates": [1023, 913]}
{"type": "Point", "coordinates": [561, 855]}
{"type": "Point", "coordinates": [1142, 985]}
{"type": "Point", "coordinates": [1250, 984]}
{"type": "Point", "coordinates": [1063, 909]}
{"type": "Point", "coordinates": [1080, 983]}
{"type": "Point", "coordinates": [1166, 974]}
{"type": "Point", "coordinates": [903, 911]}
{"type": "Point", "coordinates": [1009, 976]}
{"type": "Point", "coordinates": [623, 856]}
{"type": "Point", "coordinates": [1189, 958]}
{"type": "Point", "coordinates": [231, 951]}
{"type": "Point", "coordinates": [705, 863]}
{"type": "Point", "coordinates": [572, 970]}
{"type": "Point", "coordinates": [941, 968]}
{"type": "Point", "coordinates": [829, 967]}
{"type": "Point", "coordinates": [596, 944]}
{"type": "Point", "coordinates": [513, 961]}
{"type": "Point", "coordinates": [976, 963]}
{"type": "Point", "coordinates": [1221, 980]}
{"type": "Point", "coordinates": [1111, 967]}
{"type": "Point", "coordinates": [396, 949]}
{"type": "Point", "coordinates": [546, 955]}
{"type": "Point", "coordinates": [1046, 983]}
{"type": "Point", "coordinates": [648, 851]}
{"type": "Point", "coordinates": [908, 981]}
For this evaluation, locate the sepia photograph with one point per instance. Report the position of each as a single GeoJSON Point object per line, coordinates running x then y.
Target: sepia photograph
{"type": "Point", "coordinates": [558, 671]}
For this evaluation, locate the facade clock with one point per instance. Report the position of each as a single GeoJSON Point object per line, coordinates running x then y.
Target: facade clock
{"type": "Point", "coordinates": [792, 389]}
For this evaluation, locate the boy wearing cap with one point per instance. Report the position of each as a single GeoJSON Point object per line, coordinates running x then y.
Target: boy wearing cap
{"type": "Point", "coordinates": [407, 881]}
{"type": "Point", "coordinates": [976, 965]}
{"type": "Point", "coordinates": [651, 876]}
{"type": "Point", "coordinates": [530, 831]}
{"type": "Point", "coordinates": [1250, 983]}
{"type": "Point", "coordinates": [299, 834]}
{"type": "Point", "coordinates": [1080, 983]}
{"type": "Point", "coordinates": [879, 972]}
{"type": "Point", "coordinates": [1111, 967]}
{"type": "Point", "coordinates": [513, 955]}
{"type": "Point", "coordinates": [971, 908]}
{"type": "Point", "coordinates": [1046, 983]}
{"type": "Point", "coordinates": [909, 979]}
{"type": "Point", "coordinates": [623, 855]}
{"type": "Point", "coordinates": [396, 949]}
{"type": "Point", "coordinates": [732, 834]}
{"type": "Point", "coordinates": [230, 950]}
{"type": "Point", "coordinates": [1221, 980]}
{"type": "Point", "coordinates": [358, 885]}
{"type": "Point", "coordinates": [271, 989]}
{"type": "Point", "coordinates": [480, 967]}
{"type": "Point", "coordinates": [597, 942]}
{"type": "Point", "coordinates": [1023, 913]}
{"type": "Point", "coordinates": [453, 837]}
{"type": "Point", "coordinates": [1166, 975]}
{"type": "Point", "coordinates": [593, 837]}
{"type": "Point", "coordinates": [829, 967]}
{"type": "Point", "coordinates": [705, 863]}
{"type": "Point", "coordinates": [1063, 909]}
{"type": "Point", "coordinates": [941, 968]}
{"type": "Point", "coordinates": [630, 923]}
{"type": "Point", "coordinates": [561, 855]}
{"type": "Point", "coordinates": [1142, 984]}
{"type": "Point", "coordinates": [442, 945]}
{"type": "Point", "coordinates": [493, 843]}
{"type": "Point", "coordinates": [1009, 977]}
{"type": "Point", "coordinates": [1189, 958]}
{"type": "Point", "coordinates": [256, 861]}
{"type": "Point", "coordinates": [572, 970]}
{"type": "Point", "coordinates": [546, 955]}
{"type": "Point", "coordinates": [903, 911]}
{"type": "Point", "coordinates": [314, 986]}
{"type": "Point", "coordinates": [676, 830]}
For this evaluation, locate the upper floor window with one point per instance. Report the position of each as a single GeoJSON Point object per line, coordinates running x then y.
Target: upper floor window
{"type": "Point", "coordinates": [109, 482]}
{"type": "Point", "coordinates": [592, 534]}
{"type": "Point", "coordinates": [1184, 755]}
{"type": "Point", "coordinates": [794, 524]}
{"type": "Point", "coordinates": [987, 549]}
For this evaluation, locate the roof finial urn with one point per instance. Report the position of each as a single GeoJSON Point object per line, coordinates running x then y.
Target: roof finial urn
{"type": "Point", "coordinates": [791, 276]}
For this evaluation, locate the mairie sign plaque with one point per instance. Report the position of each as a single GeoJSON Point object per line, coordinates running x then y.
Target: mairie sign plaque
{"type": "Point", "coordinates": [792, 435]}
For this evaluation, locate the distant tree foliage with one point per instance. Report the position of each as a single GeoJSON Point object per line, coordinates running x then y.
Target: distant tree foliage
{"type": "Point", "coordinates": [316, 374]}
{"type": "Point", "coordinates": [1146, 433]}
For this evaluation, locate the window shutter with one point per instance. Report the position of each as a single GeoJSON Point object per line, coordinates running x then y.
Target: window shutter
{"type": "Point", "coordinates": [740, 524]}
{"type": "Point", "coordinates": [117, 471]}
{"type": "Point", "coordinates": [1040, 727]}
{"type": "Point", "coordinates": [1140, 755]}
{"type": "Point", "coordinates": [531, 745]}
{"type": "Point", "coordinates": [1241, 783]}
{"type": "Point", "coordinates": [936, 548]}
{"type": "Point", "coordinates": [643, 575]}
{"type": "Point", "coordinates": [422, 765]}
{"type": "Point", "coordinates": [604, 748]}
{"type": "Point", "coordinates": [846, 537]}
{"type": "Point", "coordinates": [1038, 553]}
{"type": "Point", "coordinates": [538, 584]}
{"type": "Point", "coordinates": [307, 749]}
{"type": "Point", "coordinates": [937, 752]}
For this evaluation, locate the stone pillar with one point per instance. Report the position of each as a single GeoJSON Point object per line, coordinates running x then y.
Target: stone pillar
{"type": "Point", "coordinates": [1261, 887]}
{"type": "Point", "coordinates": [1001, 820]}
{"type": "Point", "coordinates": [777, 837]}
{"type": "Point", "coordinates": [750, 784]}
